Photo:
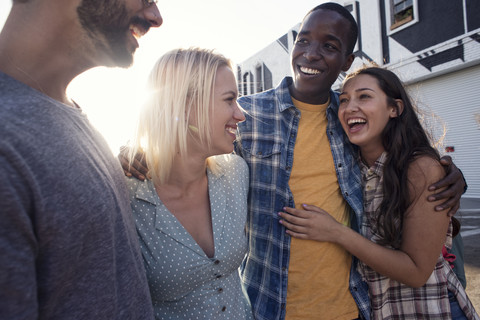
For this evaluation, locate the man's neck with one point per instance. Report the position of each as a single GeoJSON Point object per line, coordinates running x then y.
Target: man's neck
{"type": "Point", "coordinates": [315, 99]}
{"type": "Point", "coordinates": [29, 75]}
{"type": "Point", "coordinates": [38, 56]}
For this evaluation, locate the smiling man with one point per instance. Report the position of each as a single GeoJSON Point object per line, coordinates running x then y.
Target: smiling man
{"type": "Point", "coordinates": [68, 244]}
{"type": "Point", "coordinates": [297, 153]}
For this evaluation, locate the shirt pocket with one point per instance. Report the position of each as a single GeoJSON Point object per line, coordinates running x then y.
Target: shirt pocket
{"type": "Point", "coordinates": [267, 190]}
{"type": "Point", "coordinates": [261, 148]}
{"type": "Point", "coordinates": [265, 161]}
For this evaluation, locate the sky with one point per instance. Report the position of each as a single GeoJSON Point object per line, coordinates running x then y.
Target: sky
{"type": "Point", "coordinates": [111, 97]}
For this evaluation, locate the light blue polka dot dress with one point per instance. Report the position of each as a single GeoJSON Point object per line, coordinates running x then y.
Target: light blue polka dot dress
{"type": "Point", "coordinates": [184, 282]}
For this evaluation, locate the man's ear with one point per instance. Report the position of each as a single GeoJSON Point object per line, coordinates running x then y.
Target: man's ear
{"type": "Point", "coordinates": [398, 109]}
{"type": "Point", "coordinates": [348, 62]}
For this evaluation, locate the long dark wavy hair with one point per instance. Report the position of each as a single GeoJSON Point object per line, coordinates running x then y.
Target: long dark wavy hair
{"type": "Point", "coordinates": [404, 139]}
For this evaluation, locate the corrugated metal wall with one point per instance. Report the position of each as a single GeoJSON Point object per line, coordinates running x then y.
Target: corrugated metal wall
{"type": "Point", "coordinates": [455, 98]}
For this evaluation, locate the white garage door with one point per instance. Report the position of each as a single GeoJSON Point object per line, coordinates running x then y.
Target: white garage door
{"type": "Point", "coordinates": [455, 98]}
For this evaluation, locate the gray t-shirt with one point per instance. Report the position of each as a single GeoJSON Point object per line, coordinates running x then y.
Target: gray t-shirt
{"type": "Point", "coordinates": [68, 245]}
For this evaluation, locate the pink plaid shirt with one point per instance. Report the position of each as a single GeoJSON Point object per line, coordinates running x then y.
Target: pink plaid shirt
{"type": "Point", "coordinates": [391, 299]}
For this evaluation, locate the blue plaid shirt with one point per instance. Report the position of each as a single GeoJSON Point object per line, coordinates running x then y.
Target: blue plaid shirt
{"type": "Point", "coordinates": [266, 141]}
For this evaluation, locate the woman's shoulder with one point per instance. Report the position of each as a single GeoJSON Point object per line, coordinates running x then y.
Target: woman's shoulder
{"type": "Point", "coordinates": [232, 170]}
{"type": "Point", "coordinates": [425, 163]}
{"type": "Point", "coordinates": [425, 168]}
{"type": "Point", "coordinates": [227, 162]}
{"type": "Point", "coordinates": [132, 182]}
{"type": "Point", "coordinates": [139, 189]}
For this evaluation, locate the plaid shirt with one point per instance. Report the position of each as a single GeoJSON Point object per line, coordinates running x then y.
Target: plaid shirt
{"type": "Point", "coordinates": [266, 141]}
{"type": "Point", "coordinates": [391, 299]}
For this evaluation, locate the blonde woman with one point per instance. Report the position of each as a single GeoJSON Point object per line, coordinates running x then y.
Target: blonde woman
{"type": "Point", "coordinates": [191, 215]}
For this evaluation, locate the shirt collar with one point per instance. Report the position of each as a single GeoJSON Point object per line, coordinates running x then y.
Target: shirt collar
{"type": "Point", "coordinates": [376, 168]}
{"type": "Point", "coordinates": [146, 190]}
{"type": "Point", "coordinates": [283, 94]}
{"type": "Point", "coordinates": [285, 99]}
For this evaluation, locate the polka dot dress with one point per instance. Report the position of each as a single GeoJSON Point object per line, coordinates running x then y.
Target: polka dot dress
{"type": "Point", "coordinates": [184, 282]}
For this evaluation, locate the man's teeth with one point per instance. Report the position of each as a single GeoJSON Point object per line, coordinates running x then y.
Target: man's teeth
{"type": "Point", "coordinates": [232, 130]}
{"type": "Point", "coordinates": [309, 70]}
{"type": "Point", "coordinates": [137, 32]}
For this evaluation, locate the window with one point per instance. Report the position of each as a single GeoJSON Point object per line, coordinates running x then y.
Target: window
{"type": "Point", "coordinates": [259, 79]}
{"type": "Point", "coordinates": [263, 78]}
{"type": "Point", "coordinates": [354, 8]}
{"type": "Point", "coordinates": [247, 84]}
{"type": "Point", "coordinates": [401, 14]}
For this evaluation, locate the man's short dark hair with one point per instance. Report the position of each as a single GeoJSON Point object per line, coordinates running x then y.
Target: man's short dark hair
{"type": "Point", "coordinates": [341, 10]}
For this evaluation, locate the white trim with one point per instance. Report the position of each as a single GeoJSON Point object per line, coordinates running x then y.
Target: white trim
{"type": "Point", "coordinates": [452, 42]}
{"type": "Point", "coordinates": [413, 58]}
{"type": "Point", "coordinates": [438, 73]}
{"type": "Point", "coordinates": [388, 17]}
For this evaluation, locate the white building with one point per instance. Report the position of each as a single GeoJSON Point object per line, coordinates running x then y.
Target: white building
{"type": "Point", "coordinates": [434, 46]}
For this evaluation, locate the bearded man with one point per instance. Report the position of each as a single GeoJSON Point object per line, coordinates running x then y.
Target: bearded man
{"type": "Point", "coordinates": [68, 244]}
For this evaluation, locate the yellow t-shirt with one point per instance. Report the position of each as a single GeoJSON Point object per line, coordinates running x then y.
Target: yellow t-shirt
{"type": "Point", "coordinates": [318, 272]}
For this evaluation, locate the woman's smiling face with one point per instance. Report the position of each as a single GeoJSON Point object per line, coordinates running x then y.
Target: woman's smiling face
{"type": "Point", "coordinates": [364, 112]}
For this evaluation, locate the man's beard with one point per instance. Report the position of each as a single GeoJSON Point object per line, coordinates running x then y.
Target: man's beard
{"type": "Point", "coordinates": [107, 22]}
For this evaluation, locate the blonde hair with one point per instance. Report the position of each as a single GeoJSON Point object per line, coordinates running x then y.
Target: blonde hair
{"type": "Point", "coordinates": [181, 84]}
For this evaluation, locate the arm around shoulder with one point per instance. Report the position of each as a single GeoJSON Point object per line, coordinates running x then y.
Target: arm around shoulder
{"type": "Point", "coordinates": [423, 233]}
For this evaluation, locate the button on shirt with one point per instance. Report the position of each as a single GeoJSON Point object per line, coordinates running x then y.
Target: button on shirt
{"type": "Point", "coordinates": [266, 141]}
{"type": "Point", "coordinates": [184, 282]}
